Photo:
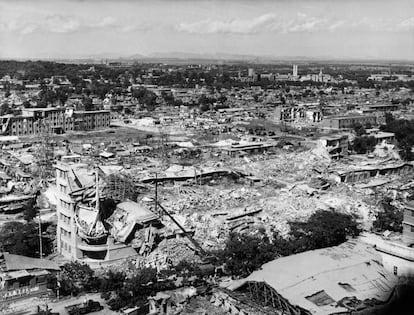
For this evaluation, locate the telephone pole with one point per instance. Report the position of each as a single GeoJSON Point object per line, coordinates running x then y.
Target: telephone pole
{"type": "Point", "coordinates": [40, 238]}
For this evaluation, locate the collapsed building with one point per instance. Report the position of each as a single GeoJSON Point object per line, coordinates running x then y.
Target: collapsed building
{"type": "Point", "coordinates": [18, 190]}
{"type": "Point", "coordinates": [82, 233]}
{"type": "Point", "coordinates": [356, 173]}
{"type": "Point", "coordinates": [305, 112]}
{"type": "Point", "coordinates": [182, 173]}
{"type": "Point", "coordinates": [344, 279]}
{"type": "Point", "coordinates": [90, 231]}
{"type": "Point", "coordinates": [134, 222]}
{"type": "Point", "coordinates": [337, 146]}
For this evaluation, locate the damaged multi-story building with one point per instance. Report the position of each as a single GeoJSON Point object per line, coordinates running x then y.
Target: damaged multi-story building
{"type": "Point", "coordinates": [84, 232]}
{"type": "Point", "coordinates": [35, 121]}
{"type": "Point", "coordinates": [337, 146]}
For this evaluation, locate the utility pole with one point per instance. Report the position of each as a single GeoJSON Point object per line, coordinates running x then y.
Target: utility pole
{"type": "Point", "coordinates": [40, 238]}
{"type": "Point", "coordinates": [44, 156]}
{"type": "Point", "coordinates": [192, 240]}
{"type": "Point", "coordinates": [156, 193]}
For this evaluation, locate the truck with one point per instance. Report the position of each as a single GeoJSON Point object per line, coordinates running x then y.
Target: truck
{"type": "Point", "coordinates": [44, 311]}
{"type": "Point", "coordinates": [84, 308]}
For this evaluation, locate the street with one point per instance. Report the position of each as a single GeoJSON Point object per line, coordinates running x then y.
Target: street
{"type": "Point", "coordinates": [30, 306]}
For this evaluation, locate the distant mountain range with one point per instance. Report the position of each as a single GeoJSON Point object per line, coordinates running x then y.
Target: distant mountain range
{"type": "Point", "coordinates": [185, 57]}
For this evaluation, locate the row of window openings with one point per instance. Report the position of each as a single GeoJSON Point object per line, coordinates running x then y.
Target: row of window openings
{"type": "Point", "coordinates": [26, 283]}
{"type": "Point", "coordinates": [65, 218]}
{"type": "Point", "coordinates": [61, 174]}
{"type": "Point", "coordinates": [34, 127]}
{"type": "Point", "coordinates": [65, 246]}
{"type": "Point", "coordinates": [65, 205]}
{"type": "Point", "coordinates": [65, 233]}
{"type": "Point", "coordinates": [62, 188]}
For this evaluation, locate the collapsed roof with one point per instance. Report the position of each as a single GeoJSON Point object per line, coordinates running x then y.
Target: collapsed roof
{"type": "Point", "coordinates": [322, 281]}
{"type": "Point", "coordinates": [125, 217]}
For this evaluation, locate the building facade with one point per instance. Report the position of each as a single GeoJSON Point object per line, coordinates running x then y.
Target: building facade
{"type": "Point", "coordinates": [70, 179]}
{"type": "Point", "coordinates": [347, 122]}
{"type": "Point", "coordinates": [408, 224]}
{"type": "Point", "coordinates": [35, 121]}
{"type": "Point", "coordinates": [337, 146]}
{"type": "Point", "coordinates": [24, 277]}
{"type": "Point", "coordinates": [91, 120]}
{"type": "Point", "coordinates": [80, 234]}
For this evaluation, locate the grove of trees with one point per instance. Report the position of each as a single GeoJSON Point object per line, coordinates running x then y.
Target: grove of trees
{"type": "Point", "coordinates": [145, 97]}
{"type": "Point", "coordinates": [245, 253]}
{"type": "Point", "coordinates": [363, 144]}
{"type": "Point", "coordinates": [22, 238]}
{"type": "Point", "coordinates": [390, 218]}
{"type": "Point", "coordinates": [404, 134]}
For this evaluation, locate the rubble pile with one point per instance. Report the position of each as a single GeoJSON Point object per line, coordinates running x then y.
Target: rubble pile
{"type": "Point", "coordinates": [212, 212]}
{"type": "Point", "coordinates": [169, 252]}
{"type": "Point", "coordinates": [288, 166]}
{"type": "Point", "coordinates": [207, 199]}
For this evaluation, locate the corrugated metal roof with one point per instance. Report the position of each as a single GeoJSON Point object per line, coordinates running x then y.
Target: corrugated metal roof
{"type": "Point", "coordinates": [351, 265]}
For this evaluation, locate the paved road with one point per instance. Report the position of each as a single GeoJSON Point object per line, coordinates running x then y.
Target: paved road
{"type": "Point", "coordinates": [60, 305]}
{"type": "Point", "coordinates": [30, 306]}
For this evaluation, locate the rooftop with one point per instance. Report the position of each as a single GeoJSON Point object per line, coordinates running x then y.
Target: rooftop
{"type": "Point", "coordinates": [18, 262]}
{"type": "Point", "coordinates": [350, 117]}
{"type": "Point", "coordinates": [136, 212]}
{"type": "Point", "coordinates": [316, 280]}
{"type": "Point", "coordinates": [45, 109]}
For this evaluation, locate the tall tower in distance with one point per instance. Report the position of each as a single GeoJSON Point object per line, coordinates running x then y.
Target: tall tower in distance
{"type": "Point", "coordinates": [295, 71]}
{"type": "Point", "coordinates": [250, 72]}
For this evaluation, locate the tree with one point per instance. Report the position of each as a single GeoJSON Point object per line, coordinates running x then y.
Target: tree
{"type": "Point", "coordinates": [363, 144]}
{"type": "Point", "coordinates": [168, 97]}
{"type": "Point", "coordinates": [389, 119]}
{"type": "Point", "coordinates": [146, 97]}
{"type": "Point", "coordinates": [323, 229]}
{"type": "Point", "coordinates": [390, 218]}
{"type": "Point", "coordinates": [222, 99]}
{"type": "Point", "coordinates": [135, 289]}
{"type": "Point", "coordinates": [76, 277]}
{"type": "Point", "coordinates": [87, 103]}
{"type": "Point", "coordinates": [62, 95]}
{"type": "Point", "coordinates": [5, 109]}
{"type": "Point", "coordinates": [23, 239]}
{"type": "Point", "coordinates": [112, 280]}
{"type": "Point", "coordinates": [245, 253]}
{"type": "Point", "coordinates": [27, 104]}
{"type": "Point", "coordinates": [30, 211]}
{"type": "Point", "coordinates": [359, 129]}
{"type": "Point", "coordinates": [404, 134]}
{"type": "Point", "coordinates": [405, 146]}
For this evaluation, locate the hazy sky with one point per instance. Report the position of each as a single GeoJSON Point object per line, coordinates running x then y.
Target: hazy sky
{"type": "Point", "coordinates": [314, 28]}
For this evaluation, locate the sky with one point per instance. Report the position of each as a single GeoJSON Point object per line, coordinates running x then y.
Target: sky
{"type": "Point", "coordinates": [361, 29]}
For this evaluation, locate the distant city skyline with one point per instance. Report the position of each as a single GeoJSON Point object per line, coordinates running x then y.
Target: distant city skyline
{"type": "Point", "coordinates": [367, 29]}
